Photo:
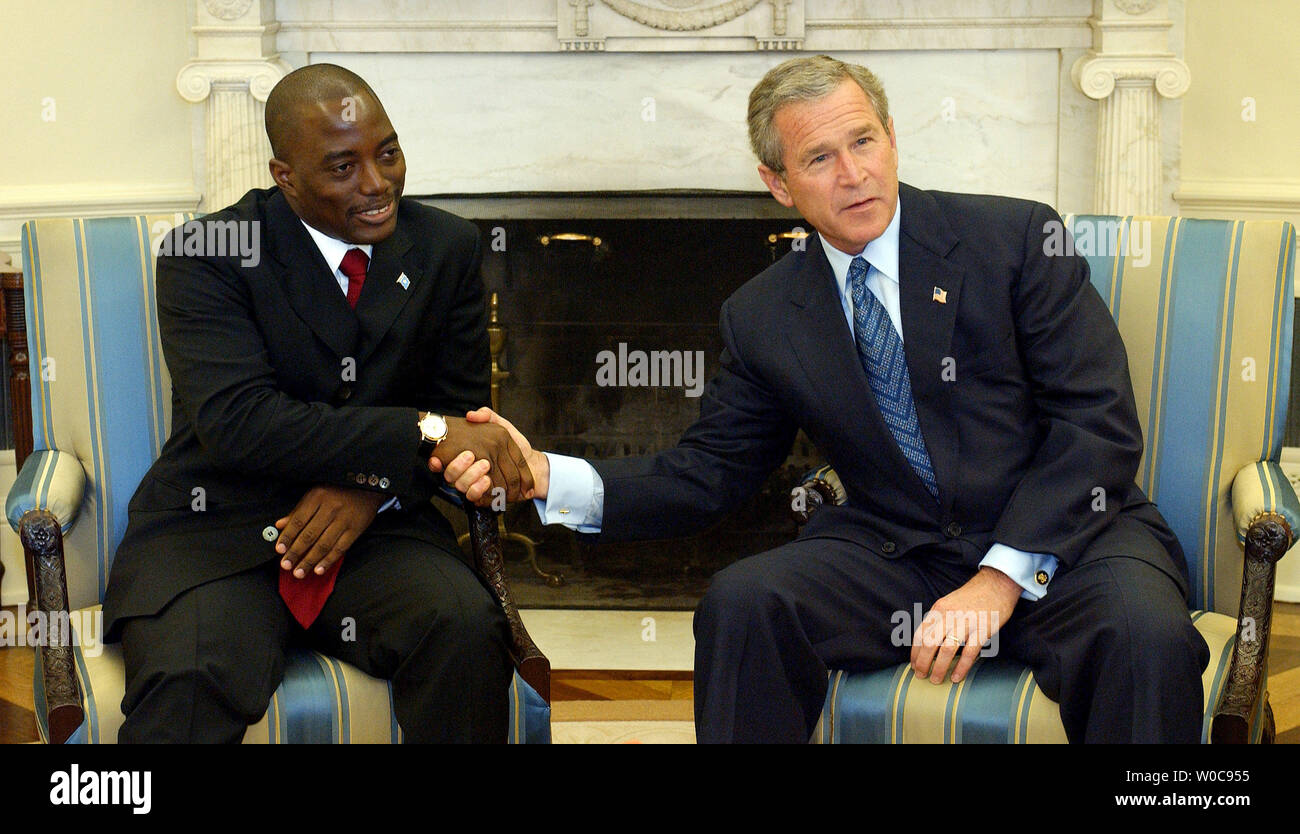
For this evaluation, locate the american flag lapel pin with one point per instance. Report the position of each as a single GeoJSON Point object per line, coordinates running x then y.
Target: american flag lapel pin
{"type": "Point", "coordinates": [940, 296]}
{"type": "Point", "coordinates": [404, 281]}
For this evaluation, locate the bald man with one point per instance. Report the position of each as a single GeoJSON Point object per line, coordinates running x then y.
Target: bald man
{"type": "Point", "coordinates": [291, 503]}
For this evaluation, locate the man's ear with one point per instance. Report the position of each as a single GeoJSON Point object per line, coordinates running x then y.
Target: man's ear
{"type": "Point", "coordinates": [282, 175]}
{"type": "Point", "coordinates": [776, 184]}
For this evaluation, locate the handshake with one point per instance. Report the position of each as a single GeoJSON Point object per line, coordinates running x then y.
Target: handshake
{"type": "Point", "coordinates": [484, 453]}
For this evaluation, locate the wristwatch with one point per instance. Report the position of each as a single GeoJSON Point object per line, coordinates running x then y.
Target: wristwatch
{"type": "Point", "coordinates": [433, 429]}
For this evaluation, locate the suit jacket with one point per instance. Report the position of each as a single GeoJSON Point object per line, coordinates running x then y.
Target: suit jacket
{"type": "Point", "coordinates": [1021, 386]}
{"type": "Point", "coordinates": [278, 385]}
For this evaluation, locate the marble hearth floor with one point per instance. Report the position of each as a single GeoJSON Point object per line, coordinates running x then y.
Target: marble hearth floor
{"type": "Point", "coordinates": [624, 676]}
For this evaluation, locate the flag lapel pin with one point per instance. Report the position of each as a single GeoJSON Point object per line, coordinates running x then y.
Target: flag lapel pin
{"type": "Point", "coordinates": [940, 296]}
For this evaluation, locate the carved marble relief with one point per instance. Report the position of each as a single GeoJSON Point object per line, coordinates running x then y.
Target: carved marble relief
{"type": "Point", "coordinates": [587, 25]}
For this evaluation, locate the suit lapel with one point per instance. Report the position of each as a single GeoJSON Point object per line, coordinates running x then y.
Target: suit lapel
{"type": "Point", "coordinates": [925, 238]}
{"type": "Point", "coordinates": [382, 296]}
{"type": "Point", "coordinates": [308, 281]}
{"type": "Point", "coordinates": [824, 347]}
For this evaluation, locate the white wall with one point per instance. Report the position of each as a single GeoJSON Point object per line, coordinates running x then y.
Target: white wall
{"type": "Point", "coordinates": [92, 119]}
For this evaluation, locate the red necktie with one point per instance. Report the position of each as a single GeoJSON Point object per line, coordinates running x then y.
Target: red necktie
{"type": "Point", "coordinates": [306, 597]}
{"type": "Point", "coordinates": [354, 266]}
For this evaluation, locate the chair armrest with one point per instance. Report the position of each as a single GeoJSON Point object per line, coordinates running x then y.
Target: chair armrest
{"type": "Point", "coordinates": [42, 539]}
{"type": "Point", "coordinates": [50, 480]}
{"type": "Point", "coordinates": [818, 487]}
{"type": "Point", "coordinates": [1259, 489]}
{"type": "Point", "coordinates": [485, 541]}
{"type": "Point", "coordinates": [1266, 511]}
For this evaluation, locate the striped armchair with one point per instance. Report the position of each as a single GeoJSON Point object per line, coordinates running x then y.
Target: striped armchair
{"type": "Point", "coordinates": [100, 404]}
{"type": "Point", "coordinates": [1205, 310]}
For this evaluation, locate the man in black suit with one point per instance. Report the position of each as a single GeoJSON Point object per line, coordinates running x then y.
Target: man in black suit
{"type": "Point", "coordinates": [307, 382]}
{"type": "Point", "coordinates": [972, 393]}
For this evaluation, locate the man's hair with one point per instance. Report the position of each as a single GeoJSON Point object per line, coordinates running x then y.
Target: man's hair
{"type": "Point", "coordinates": [803, 79]}
{"type": "Point", "coordinates": [307, 85]}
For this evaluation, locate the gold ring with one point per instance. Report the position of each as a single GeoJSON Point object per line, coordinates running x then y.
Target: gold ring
{"type": "Point", "coordinates": [955, 638]}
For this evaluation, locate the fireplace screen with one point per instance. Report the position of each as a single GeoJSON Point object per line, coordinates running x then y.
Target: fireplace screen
{"type": "Point", "coordinates": [607, 330]}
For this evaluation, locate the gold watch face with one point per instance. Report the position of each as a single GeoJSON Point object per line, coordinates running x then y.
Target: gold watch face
{"type": "Point", "coordinates": [433, 428]}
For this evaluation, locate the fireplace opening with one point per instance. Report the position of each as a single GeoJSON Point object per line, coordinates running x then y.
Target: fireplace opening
{"type": "Point", "coordinates": [606, 319]}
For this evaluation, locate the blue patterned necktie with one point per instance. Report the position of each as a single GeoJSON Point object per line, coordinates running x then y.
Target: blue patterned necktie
{"type": "Point", "coordinates": [881, 352]}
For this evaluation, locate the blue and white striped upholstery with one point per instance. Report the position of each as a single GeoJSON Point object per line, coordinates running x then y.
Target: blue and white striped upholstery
{"type": "Point", "coordinates": [998, 703]}
{"type": "Point", "coordinates": [1205, 309]}
{"type": "Point", "coordinates": [101, 410]}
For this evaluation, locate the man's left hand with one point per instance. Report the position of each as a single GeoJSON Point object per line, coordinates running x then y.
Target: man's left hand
{"type": "Point", "coordinates": [965, 619]}
{"type": "Point", "coordinates": [327, 520]}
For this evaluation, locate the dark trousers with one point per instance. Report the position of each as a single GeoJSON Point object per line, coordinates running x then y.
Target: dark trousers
{"type": "Point", "coordinates": [1112, 642]}
{"type": "Point", "coordinates": [205, 667]}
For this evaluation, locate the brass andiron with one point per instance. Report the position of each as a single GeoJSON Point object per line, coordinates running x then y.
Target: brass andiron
{"type": "Point", "coordinates": [496, 344]}
{"type": "Point", "coordinates": [795, 234]}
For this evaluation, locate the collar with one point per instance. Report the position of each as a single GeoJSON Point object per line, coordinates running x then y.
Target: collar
{"type": "Point", "coordinates": [881, 253]}
{"type": "Point", "coordinates": [332, 249]}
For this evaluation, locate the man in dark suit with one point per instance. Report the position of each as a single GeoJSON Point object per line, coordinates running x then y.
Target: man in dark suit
{"type": "Point", "coordinates": [972, 393]}
{"type": "Point", "coordinates": [295, 477]}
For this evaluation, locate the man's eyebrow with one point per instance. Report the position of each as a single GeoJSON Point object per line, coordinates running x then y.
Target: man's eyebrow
{"type": "Point", "coordinates": [817, 150]}
{"type": "Point", "coordinates": [826, 147]}
{"type": "Point", "coordinates": [335, 155]}
{"type": "Point", "coordinates": [348, 152]}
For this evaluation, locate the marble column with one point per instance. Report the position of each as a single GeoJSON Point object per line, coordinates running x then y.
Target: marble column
{"type": "Point", "coordinates": [234, 71]}
{"type": "Point", "coordinates": [1127, 68]}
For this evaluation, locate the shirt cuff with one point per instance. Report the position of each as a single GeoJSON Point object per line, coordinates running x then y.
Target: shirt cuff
{"type": "Point", "coordinates": [575, 496]}
{"type": "Point", "coordinates": [1031, 571]}
{"type": "Point", "coordinates": [390, 504]}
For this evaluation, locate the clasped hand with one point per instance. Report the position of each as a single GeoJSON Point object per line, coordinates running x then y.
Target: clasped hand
{"type": "Point", "coordinates": [493, 450]}
{"type": "Point", "coordinates": [476, 472]}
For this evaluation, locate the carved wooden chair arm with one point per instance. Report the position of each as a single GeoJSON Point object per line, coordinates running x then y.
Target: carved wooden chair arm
{"type": "Point", "coordinates": [1268, 538]}
{"type": "Point", "coordinates": [1266, 513]}
{"type": "Point", "coordinates": [485, 538]}
{"type": "Point", "coordinates": [820, 486]}
{"type": "Point", "coordinates": [42, 540]}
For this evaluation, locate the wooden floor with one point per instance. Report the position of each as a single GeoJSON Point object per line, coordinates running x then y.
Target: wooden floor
{"type": "Point", "coordinates": [667, 696]}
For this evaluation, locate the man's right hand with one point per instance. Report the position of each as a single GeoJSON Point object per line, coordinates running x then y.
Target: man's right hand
{"type": "Point", "coordinates": [470, 473]}
{"type": "Point", "coordinates": [501, 461]}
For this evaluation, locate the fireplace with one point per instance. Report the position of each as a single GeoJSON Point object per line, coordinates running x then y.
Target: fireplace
{"type": "Point", "coordinates": [609, 304]}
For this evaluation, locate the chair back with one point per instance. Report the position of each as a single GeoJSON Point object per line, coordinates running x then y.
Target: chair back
{"type": "Point", "coordinates": [1205, 310]}
{"type": "Point", "coordinates": [100, 387]}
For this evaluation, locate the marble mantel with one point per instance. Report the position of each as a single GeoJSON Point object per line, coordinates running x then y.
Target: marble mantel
{"type": "Point", "coordinates": [496, 96]}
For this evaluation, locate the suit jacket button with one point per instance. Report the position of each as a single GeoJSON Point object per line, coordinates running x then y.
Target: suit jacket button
{"type": "Point", "coordinates": [361, 478]}
{"type": "Point", "coordinates": [270, 533]}
{"type": "Point", "coordinates": [953, 529]}
{"type": "Point", "coordinates": [383, 483]}
{"type": "Point", "coordinates": [888, 547]}
{"type": "Point", "coordinates": [374, 480]}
